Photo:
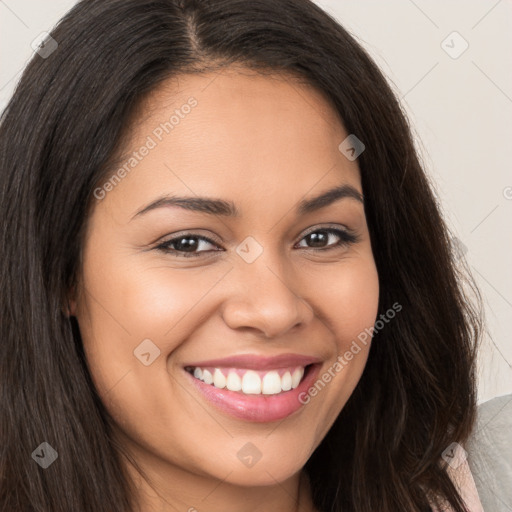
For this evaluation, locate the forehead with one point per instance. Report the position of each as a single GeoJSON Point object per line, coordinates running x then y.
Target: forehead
{"type": "Point", "coordinates": [233, 132]}
{"type": "Point", "coordinates": [238, 108]}
{"type": "Point", "coordinates": [244, 91]}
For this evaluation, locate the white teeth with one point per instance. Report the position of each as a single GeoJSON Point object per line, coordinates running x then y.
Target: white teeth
{"type": "Point", "coordinates": [286, 381]}
{"type": "Point", "coordinates": [234, 382]}
{"type": "Point", "coordinates": [207, 377]}
{"type": "Point", "coordinates": [296, 376]}
{"type": "Point", "coordinates": [219, 381]}
{"type": "Point", "coordinates": [271, 384]}
{"type": "Point", "coordinates": [252, 382]}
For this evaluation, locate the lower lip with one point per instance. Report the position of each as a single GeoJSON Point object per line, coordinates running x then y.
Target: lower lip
{"type": "Point", "coordinates": [257, 408]}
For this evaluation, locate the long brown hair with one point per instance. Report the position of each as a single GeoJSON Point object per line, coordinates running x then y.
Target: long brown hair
{"type": "Point", "coordinates": [57, 134]}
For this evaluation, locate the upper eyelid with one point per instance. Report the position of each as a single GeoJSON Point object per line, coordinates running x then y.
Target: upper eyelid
{"type": "Point", "coordinates": [339, 227]}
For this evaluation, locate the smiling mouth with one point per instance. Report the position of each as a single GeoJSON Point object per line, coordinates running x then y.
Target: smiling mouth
{"type": "Point", "coordinates": [251, 382]}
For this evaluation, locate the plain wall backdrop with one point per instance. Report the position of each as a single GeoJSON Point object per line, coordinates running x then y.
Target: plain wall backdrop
{"type": "Point", "coordinates": [449, 63]}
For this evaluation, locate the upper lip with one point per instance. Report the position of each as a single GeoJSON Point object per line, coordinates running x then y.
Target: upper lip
{"type": "Point", "coordinates": [258, 362]}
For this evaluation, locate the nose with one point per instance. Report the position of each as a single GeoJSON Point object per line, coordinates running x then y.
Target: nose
{"type": "Point", "coordinates": [262, 299]}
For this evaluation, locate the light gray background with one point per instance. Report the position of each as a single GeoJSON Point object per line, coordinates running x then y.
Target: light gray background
{"type": "Point", "coordinates": [460, 108]}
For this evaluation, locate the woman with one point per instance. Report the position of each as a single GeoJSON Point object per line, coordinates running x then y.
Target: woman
{"type": "Point", "coordinates": [227, 283]}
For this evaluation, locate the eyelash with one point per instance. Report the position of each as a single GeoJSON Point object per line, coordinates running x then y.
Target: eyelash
{"type": "Point", "coordinates": [346, 239]}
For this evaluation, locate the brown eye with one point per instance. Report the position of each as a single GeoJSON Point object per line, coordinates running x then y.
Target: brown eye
{"type": "Point", "coordinates": [319, 239]}
{"type": "Point", "coordinates": [186, 245]}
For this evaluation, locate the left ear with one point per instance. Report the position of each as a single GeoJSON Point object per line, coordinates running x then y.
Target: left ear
{"type": "Point", "coordinates": [70, 308]}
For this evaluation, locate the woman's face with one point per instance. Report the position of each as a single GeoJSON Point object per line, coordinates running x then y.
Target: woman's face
{"type": "Point", "coordinates": [272, 291]}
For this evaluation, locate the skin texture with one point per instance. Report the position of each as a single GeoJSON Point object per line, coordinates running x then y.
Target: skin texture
{"type": "Point", "coordinates": [264, 143]}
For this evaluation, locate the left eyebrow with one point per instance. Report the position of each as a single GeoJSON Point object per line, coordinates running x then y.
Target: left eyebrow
{"type": "Point", "coordinates": [213, 206]}
{"type": "Point", "coordinates": [328, 198]}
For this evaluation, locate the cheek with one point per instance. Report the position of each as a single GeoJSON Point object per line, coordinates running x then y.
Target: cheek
{"type": "Point", "coordinates": [349, 306]}
{"type": "Point", "coordinates": [148, 300]}
{"type": "Point", "coordinates": [166, 303]}
{"type": "Point", "coordinates": [348, 298]}
{"type": "Point", "coordinates": [126, 306]}
{"type": "Point", "coordinates": [357, 304]}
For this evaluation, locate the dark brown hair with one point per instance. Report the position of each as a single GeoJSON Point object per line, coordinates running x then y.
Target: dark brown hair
{"type": "Point", "coordinates": [57, 134]}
